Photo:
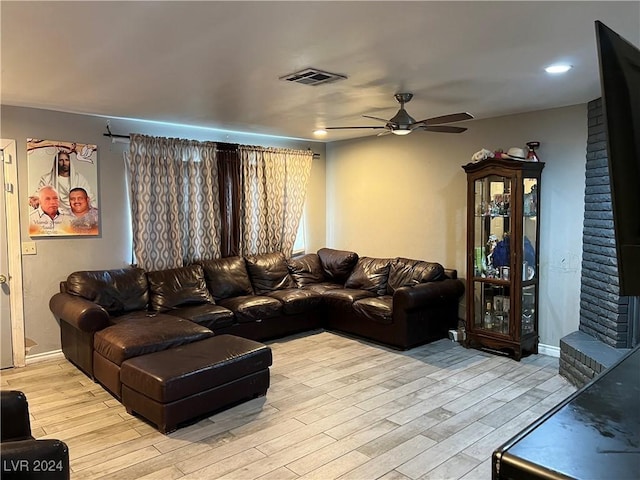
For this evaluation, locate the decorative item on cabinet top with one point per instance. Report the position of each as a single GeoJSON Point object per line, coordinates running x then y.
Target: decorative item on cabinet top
{"type": "Point", "coordinates": [513, 153]}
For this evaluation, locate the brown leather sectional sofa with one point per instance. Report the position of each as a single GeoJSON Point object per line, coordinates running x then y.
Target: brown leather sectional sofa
{"type": "Point", "coordinates": [108, 317]}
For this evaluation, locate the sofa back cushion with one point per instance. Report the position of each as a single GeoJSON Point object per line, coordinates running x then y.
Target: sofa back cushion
{"type": "Point", "coordinates": [117, 291]}
{"type": "Point", "coordinates": [227, 277]}
{"type": "Point", "coordinates": [370, 274]}
{"type": "Point", "coordinates": [337, 264]}
{"type": "Point", "coordinates": [306, 269]}
{"type": "Point", "coordinates": [406, 272]}
{"type": "Point", "coordinates": [177, 286]}
{"type": "Point", "coordinates": [268, 272]}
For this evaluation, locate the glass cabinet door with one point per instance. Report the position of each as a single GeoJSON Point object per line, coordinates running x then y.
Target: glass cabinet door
{"type": "Point", "coordinates": [491, 262]}
{"type": "Point", "coordinates": [529, 263]}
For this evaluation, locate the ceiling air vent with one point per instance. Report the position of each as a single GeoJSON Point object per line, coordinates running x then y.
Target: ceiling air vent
{"type": "Point", "coordinates": [312, 76]}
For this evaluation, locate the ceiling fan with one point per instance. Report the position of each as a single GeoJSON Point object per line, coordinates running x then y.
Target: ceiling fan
{"type": "Point", "coordinates": [402, 123]}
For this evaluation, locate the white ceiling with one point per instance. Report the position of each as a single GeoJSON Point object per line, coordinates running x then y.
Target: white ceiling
{"type": "Point", "coordinates": [217, 64]}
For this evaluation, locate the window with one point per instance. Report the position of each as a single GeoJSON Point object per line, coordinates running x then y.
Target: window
{"type": "Point", "coordinates": [300, 244]}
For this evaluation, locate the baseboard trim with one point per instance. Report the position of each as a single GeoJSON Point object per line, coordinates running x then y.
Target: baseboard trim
{"type": "Point", "coordinates": [42, 357]}
{"type": "Point", "coordinates": [550, 350]}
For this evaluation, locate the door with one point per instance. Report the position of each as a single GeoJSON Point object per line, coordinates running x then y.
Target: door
{"type": "Point", "coordinates": [6, 350]}
{"type": "Point", "coordinates": [11, 300]}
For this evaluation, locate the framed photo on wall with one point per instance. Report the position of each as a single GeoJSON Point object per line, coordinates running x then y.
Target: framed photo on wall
{"type": "Point", "coordinates": [63, 188]}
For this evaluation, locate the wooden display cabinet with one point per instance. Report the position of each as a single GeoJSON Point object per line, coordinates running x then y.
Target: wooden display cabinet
{"type": "Point", "coordinates": [503, 202]}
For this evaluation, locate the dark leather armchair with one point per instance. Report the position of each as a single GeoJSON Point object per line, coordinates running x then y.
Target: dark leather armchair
{"type": "Point", "coordinates": [22, 456]}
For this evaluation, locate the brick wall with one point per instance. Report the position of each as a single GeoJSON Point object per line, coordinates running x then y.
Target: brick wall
{"type": "Point", "coordinates": [603, 334]}
{"type": "Point", "coordinates": [603, 312]}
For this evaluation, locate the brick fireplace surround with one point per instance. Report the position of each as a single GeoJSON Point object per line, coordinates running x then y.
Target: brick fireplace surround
{"type": "Point", "coordinates": [609, 323]}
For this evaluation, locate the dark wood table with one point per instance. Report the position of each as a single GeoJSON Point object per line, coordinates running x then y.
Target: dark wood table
{"type": "Point", "coordinates": [594, 434]}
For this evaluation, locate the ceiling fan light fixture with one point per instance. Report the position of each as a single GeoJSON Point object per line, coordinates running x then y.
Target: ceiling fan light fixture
{"type": "Point", "coordinates": [401, 131]}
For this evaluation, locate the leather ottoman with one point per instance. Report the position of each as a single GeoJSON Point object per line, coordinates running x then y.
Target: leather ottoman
{"type": "Point", "coordinates": [184, 383]}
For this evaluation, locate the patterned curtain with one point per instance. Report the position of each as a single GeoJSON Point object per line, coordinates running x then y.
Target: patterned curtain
{"type": "Point", "coordinates": [175, 203]}
{"type": "Point", "coordinates": [274, 182]}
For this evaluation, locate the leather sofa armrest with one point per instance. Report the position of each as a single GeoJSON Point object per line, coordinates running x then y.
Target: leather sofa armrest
{"type": "Point", "coordinates": [34, 459]}
{"type": "Point", "coordinates": [79, 312]}
{"type": "Point", "coordinates": [15, 416]}
{"type": "Point", "coordinates": [430, 293]}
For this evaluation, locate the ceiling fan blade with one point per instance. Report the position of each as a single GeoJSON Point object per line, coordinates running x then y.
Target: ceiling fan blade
{"type": "Point", "coordinates": [342, 128]}
{"type": "Point", "coordinates": [386, 132]}
{"type": "Point", "coordinates": [442, 129]}
{"type": "Point", "coordinates": [453, 117]}
{"type": "Point", "coordinates": [376, 118]}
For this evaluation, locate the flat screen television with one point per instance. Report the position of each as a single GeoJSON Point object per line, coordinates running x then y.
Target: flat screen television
{"type": "Point", "coordinates": [620, 82]}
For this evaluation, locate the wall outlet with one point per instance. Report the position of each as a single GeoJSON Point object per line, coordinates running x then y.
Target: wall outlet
{"type": "Point", "coordinates": [29, 248]}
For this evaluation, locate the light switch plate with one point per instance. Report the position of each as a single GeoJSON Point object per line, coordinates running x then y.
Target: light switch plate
{"type": "Point", "coordinates": [29, 248]}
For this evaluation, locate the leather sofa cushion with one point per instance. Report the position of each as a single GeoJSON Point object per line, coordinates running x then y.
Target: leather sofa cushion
{"type": "Point", "coordinates": [253, 308]}
{"type": "Point", "coordinates": [323, 287]}
{"type": "Point", "coordinates": [139, 335]}
{"type": "Point", "coordinates": [169, 376]}
{"type": "Point", "coordinates": [344, 297]}
{"type": "Point", "coordinates": [306, 269]}
{"type": "Point", "coordinates": [117, 291]}
{"type": "Point", "coordinates": [370, 274]}
{"type": "Point", "coordinates": [337, 264]}
{"type": "Point", "coordinates": [406, 272]}
{"type": "Point", "coordinates": [268, 272]}
{"type": "Point", "coordinates": [177, 286]}
{"type": "Point", "coordinates": [377, 309]}
{"type": "Point", "coordinates": [207, 315]}
{"type": "Point", "coordinates": [227, 277]}
{"type": "Point", "coordinates": [296, 300]}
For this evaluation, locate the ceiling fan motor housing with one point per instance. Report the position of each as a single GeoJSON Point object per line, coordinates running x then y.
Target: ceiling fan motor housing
{"type": "Point", "coordinates": [402, 120]}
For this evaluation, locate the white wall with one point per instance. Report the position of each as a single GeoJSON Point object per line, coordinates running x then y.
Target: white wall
{"type": "Point", "coordinates": [405, 196]}
{"type": "Point", "coordinates": [57, 257]}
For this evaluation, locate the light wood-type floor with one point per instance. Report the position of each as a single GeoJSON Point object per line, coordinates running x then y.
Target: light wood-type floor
{"type": "Point", "coordinates": [337, 408]}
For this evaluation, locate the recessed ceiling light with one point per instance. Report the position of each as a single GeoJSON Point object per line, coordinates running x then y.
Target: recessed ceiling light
{"type": "Point", "coordinates": [559, 68]}
{"type": "Point", "coordinates": [320, 132]}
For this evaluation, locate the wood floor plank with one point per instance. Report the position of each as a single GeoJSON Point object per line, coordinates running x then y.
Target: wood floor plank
{"type": "Point", "coordinates": [107, 468]}
{"type": "Point", "coordinates": [227, 465]}
{"type": "Point", "coordinates": [455, 467]}
{"type": "Point", "coordinates": [483, 448]}
{"type": "Point", "coordinates": [439, 453]}
{"type": "Point", "coordinates": [282, 473]}
{"type": "Point", "coordinates": [390, 460]}
{"type": "Point", "coordinates": [238, 445]}
{"type": "Point", "coordinates": [337, 467]}
{"type": "Point", "coordinates": [333, 451]}
{"type": "Point", "coordinates": [401, 434]}
{"type": "Point", "coordinates": [460, 420]}
{"type": "Point", "coordinates": [100, 440]}
{"type": "Point", "coordinates": [113, 452]}
{"type": "Point", "coordinates": [482, 471]}
{"type": "Point", "coordinates": [280, 459]}
{"type": "Point", "coordinates": [159, 462]}
{"type": "Point", "coordinates": [169, 473]}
